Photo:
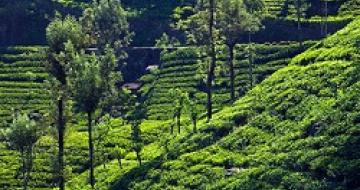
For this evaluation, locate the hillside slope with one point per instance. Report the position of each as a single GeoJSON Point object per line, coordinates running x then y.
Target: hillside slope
{"type": "Point", "coordinates": [181, 69]}
{"type": "Point", "coordinates": [298, 129]}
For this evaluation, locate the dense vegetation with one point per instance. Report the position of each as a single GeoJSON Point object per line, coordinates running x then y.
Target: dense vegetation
{"type": "Point", "coordinates": [281, 78]}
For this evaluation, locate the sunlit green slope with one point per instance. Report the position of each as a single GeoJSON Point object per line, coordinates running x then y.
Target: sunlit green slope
{"type": "Point", "coordinates": [183, 69]}
{"type": "Point", "coordinates": [298, 129]}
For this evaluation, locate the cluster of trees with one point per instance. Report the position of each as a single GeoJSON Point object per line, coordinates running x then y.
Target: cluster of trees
{"type": "Point", "coordinates": [88, 79]}
{"type": "Point", "coordinates": [215, 25]}
{"type": "Point", "coordinates": [83, 55]}
{"type": "Point", "coordinates": [183, 102]}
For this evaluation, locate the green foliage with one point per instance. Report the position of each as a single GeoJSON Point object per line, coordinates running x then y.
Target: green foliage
{"type": "Point", "coordinates": [186, 68]}
{"type": "Point", "coordinates": [87, 83]}
{"type": "Point", "coordinates": [106, 22]}
{"type": "Point", "coordinates": [22, 77]}
{"type": "Point", "coordinates": [60, 31]}
{"type": "Point", "coordinates": [64, 37]}
{"type": "Point", "coordinates": [165, 41]}
{"type": "Point", "coordinates": [22, 133]}
{"type": "Point", "coordinates": [235, 18]}
{"type": "Point", "coordinates": [294, 130]}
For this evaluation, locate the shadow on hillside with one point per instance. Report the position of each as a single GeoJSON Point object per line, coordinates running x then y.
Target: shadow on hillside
{"type": "Point", "coordinates": [189, 143]}
{"type": "Point", "coordinates": [136, 174]}
{"type": "Point", "coordinates": [349, 154]}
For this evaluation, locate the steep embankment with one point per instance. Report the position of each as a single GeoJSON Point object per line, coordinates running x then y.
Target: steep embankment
{"type": "Point", "coordinates": [298, 129]}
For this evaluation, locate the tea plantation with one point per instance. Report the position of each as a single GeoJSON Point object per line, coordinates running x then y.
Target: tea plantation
{"type": "Point", "coordinates": [297, 129]}
{"type": "Point", "coordinates": [182, 69]}
{"type": "Point", "coordinates": [294, 123]}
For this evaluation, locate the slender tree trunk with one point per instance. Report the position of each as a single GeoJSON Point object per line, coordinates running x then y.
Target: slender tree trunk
{"type": "Point", "coordinates": [138, 156]}
{"type": "Point", "coordinates": [178, 122]}
{"type": "Point", "coordinates": [194, 125]}
{"type": "Point", "coordinates": [232, 73]}
{"type": "Point", "coordinates": [24, 173]}
{"type": "Point", "coordinates": [105, 159]}
{"type": "Point", "coordinates": [298, 11]}
{"type": "Point", "coordinates": [251, 74]}
{"type": "Point", "coordinates": [119, 161]}
{"type": "Point", "coordinates": [91, 151]}
{"type": "Point", "coordinates": [210, 76]}
{"type": "Point", "coordinates": [61, 132]}
{"type": "Point", "coordinates": [326, 18]}
{"type": "Point", "coordinates": [172, 126]}
{"type": "Point", "coordinates": [29, 164]}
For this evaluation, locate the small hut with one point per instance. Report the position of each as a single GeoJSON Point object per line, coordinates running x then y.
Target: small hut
{"type": "Point", "coordinates": [134, 87]}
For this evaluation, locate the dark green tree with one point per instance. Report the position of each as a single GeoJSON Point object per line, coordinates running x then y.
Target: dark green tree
{"type": "Point", "coordinates": [236, 18]}
{"type": "Point", "coordinates": [136, 138]}
{"type": "Point", "coordinates": [90, 85]}
{"type": "Point", "coordinates": [22, 135]}
{"type": "Point", "coordinates": [64, 37]}
{"type": "Point", "coordinates": [191, 108]}
{"type": "Point", "coordinates": [135, 116]}
{"type": "Point", "coordinates": [200, 30]}
{"type": "Point", "coordinates": [179, 98]}
{"type": "Point", "coordinates": [251, 54]}
{"type": "Point", "coordinates": [301, 7]}
{"type": "Point", "coordinates": [119, 154]}
{"type": "Point", "coordinates": [212, 53]}
{"type": "Point", "coordinates": [101, 138]}
{"type": "Point", "coordinates": [105, 21]}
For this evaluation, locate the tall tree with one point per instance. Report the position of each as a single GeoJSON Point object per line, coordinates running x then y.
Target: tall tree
{"type": "Point", "coordinates": [119, 154]}
{"type": "Point", "coordinates": [22, 135]}
{"type": "Point", "coordinates": [237, 17]}
{"type": "Point", "coordinates": [179, 99]}
{"type": "Point", "coordinates": [90, 84]}
{"type": "Point", "coordinates": [192, 109]}
{"type": "Point", "coordinates": [212, 65]}
{"type": "Point", "coordinates": [325, 11]}
{"type": "Point", "coordinates": [64, 36]}
{"type": "Point", "coordinates": [136, 138]}
{"type": "Point", "coordinates": [87, 94]}
{"type": "Point", "coordinates": [250, 51]}
{"type": "Point", "coordinates": [101, 138]}
{"type": "Point", "coordinates": [300, 6]}
{"type": "Point", "coordinates": [135, 116]}
{"type": "Point", "coordinates": [200, 30]}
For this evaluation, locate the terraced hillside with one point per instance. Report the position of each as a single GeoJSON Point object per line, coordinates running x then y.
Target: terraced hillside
{"type": "Point", "coordinates": [298, 129]}
{"type": "Point", "coordinates": [276, 7]}
{"type": "Point", "coordinates": [22, 74]}
{"type": "Point", "coordinates": [178, 71]}
{"type": "Point", "coordinates": [350, 7]}
{"type": "Point", "coordinates": [181, 69]}
{"type": "Point", "coordinates": [43, 175]}
{"type": "Point", "coordinates": [336, 8]}
{"type": "Point", "coordinates": [22, 87]}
